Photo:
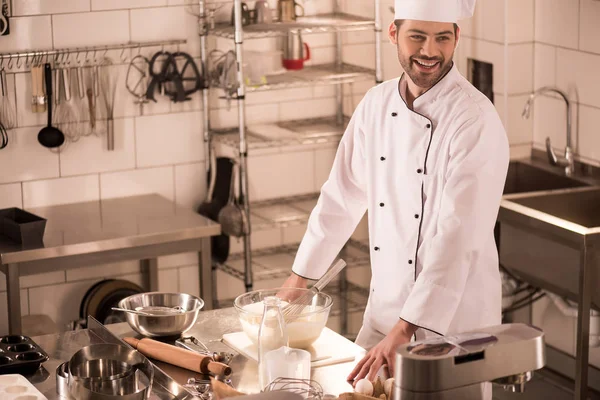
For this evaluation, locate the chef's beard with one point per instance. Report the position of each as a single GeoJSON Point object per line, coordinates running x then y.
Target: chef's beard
{"type": "Point", "coordinates": [424, 80]}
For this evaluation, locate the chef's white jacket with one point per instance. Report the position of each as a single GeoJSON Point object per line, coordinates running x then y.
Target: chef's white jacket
{"type": "Point", "coordinates": [432, 180]}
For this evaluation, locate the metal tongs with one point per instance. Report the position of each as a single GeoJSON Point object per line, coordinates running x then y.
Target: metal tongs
{"type": "Point", "coordinates": [193, 344]}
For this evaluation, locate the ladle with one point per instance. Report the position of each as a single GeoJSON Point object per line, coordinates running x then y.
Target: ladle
{"type": "Point", "coordinates": [50, 136]}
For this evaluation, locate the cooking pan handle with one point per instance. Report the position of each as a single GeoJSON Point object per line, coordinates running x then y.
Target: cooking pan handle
{"type": "Point", "coordinates": [48, 79]}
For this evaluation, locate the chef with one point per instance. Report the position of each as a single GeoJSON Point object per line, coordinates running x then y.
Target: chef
{"type": "Point", "coordinates": [426, 154]}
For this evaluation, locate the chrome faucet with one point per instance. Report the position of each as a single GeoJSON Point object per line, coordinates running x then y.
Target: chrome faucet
{"type": "Point", "coordinates": [567, 161]}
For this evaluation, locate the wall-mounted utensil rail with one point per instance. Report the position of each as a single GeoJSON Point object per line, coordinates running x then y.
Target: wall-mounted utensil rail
{"type": "Point", "coordinates": [53, 55]}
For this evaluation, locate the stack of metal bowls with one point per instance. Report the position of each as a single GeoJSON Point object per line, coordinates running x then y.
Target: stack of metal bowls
{"type": "Point", "coordinates": [106, 371]}
{"type": "Point", "coordinates": [171, 314]}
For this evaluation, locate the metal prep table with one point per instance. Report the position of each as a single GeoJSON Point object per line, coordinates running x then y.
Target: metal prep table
{"type": "Point", "coordinates": [98, 232]}
{"type": "Point", "coordinates": [209, 328]}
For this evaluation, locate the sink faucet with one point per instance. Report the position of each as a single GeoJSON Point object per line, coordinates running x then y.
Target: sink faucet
{"type": "Point", "coordinates": [567, 161]}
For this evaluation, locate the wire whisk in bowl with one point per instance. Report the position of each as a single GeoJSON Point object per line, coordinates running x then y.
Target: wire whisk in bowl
{"type": "Point", "coordinates": [296, 307]}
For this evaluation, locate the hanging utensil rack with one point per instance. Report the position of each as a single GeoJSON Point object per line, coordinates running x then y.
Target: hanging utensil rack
{"type": "Point", "coordinates": [16, 59]}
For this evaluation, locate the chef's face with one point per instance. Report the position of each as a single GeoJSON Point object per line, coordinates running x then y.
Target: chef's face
{"type": "Point", "coordinates": [425, 49]}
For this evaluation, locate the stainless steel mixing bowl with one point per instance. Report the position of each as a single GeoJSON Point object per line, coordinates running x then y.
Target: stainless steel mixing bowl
{"type": "Point", "coordinates": [177, 313]}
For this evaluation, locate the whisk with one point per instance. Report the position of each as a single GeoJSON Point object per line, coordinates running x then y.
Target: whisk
{"type": "Point", "coordinates": [295, 307]}
{"type": "Point", "coordinates": [7, 111]}
{"type": "Point", "coordinates": [308, 388]}
{"type": "Point", "coordinates": [108, 84]}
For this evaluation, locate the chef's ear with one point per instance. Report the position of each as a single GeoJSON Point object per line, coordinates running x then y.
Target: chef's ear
{"type": "Point", "coordinates": [393, 33]}
{"type": "Point", "coordinates": [457, 36]}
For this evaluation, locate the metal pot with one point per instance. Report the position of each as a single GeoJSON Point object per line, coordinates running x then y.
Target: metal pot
{"type": "Point", "coordinates": [170, 324]}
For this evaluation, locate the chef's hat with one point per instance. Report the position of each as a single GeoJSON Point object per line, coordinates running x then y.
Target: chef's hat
{"type": "Point", "coordinates": [434, 10]}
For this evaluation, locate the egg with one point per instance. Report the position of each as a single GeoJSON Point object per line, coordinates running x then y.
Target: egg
{"type": "Point", "coordinates": [388, 387]}
{"type": "Point", "coordinates": [364, 386]}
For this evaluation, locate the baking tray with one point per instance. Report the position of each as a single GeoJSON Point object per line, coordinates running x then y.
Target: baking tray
{"type": "Point", "coordinates": [20, 355]}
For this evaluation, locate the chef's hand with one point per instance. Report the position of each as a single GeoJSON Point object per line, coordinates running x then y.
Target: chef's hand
{"type": "Point", "coordinates": [384, 353]}
{"type": "Point", "coordinates": [293, 281]}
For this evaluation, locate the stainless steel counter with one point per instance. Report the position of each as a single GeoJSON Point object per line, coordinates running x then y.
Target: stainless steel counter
{"type": "Point", "coordinates": [98, 232]}
{"type": "Point", "coordinates": [210, 327]}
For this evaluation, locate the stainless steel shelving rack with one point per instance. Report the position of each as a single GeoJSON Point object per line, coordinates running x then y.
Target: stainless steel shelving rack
{"type": "Point", "coordinates": [286, 211]}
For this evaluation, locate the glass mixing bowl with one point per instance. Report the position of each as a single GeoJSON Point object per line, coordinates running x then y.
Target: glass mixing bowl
{"type": "Point", "coordinates": [302, 331]}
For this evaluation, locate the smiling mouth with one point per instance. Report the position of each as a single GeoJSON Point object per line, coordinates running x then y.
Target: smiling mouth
{"type": "Point", "coordinates": [426, 65]}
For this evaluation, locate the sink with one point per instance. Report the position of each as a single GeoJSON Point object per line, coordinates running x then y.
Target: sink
{"type": "Point", "coordinates": [525, 177]}
{"type": "Point", "coordinates": [544, 236]}
{"type": "Point", "coordinates": [551, 239]}
{"type": "Point", "coordinates": [582, 207]}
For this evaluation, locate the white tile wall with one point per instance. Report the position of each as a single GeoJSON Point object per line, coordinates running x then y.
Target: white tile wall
{"type": "Point", "coordinates": [90, 154]}
{"type": "Point", "coordinates": [520, 68]}
{"type": "Point", "coordinates": [282, 95]}
{"type": "Point", "coordinates": [551, 14]}
{"type": "Point", "coordinates": [166, 23]}
{"type": "Point", "coordinates": [286, 175]}
{"type": "Point", "coordinates": [48, 278]}
{"type": "Point", "coordinates": [66, 299]}
{"type": "Point", "coordinates": [307, 109]}
{"type": "Point", "coordinates": [190, 185]}
{"type": "Point", "coordinates": [103, 271]}
{"type": "Point", "coordinates": [188, 280]}
{"type": "Point", "coordinates": [36, 7]}
{"type": "Point", "coordinates": [61, 191]}
{"type": "Point", "coordinates": [519, 130]}
{"type": "Point", "coordinates": [139, 181]}
{"type": "Point", "coordinates": [125, 4]}
{"type": "Point", "coordinates": [169, 139]}
{"type": "Point", "coordinates": [361, 54]}
{"type": "Point", "coordinates": [168, 280]}
{"type": "Point", "coordinates": [10, 195]}
{"type": "Point", "coordinates": [323, 162]}
{"type": "Point", "coordinates": [28, 33]}
{"type": "Point", "coordinates": [494, 25]}
{"type": "Point", "coordinates": [89, 29]}
{"type": "Point", "coordinates": [519, 21]}
{"type": "Point", "coordinates": [576, 73]}
{"type": "Point", "coordinates": [589, 29]}
{"type": "Point", "coordinates": [18, 156]}
{"type": "Point", "coordinates": [255, 114]}
{"type": "Point", "coordinates": [544, 65]}
{"type": "Point", "coordinates": [589, 139]}
{"type": "Point", "coordinates": [177, 260]}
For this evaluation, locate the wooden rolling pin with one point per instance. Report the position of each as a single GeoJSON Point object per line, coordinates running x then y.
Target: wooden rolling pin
{"type": "Point", "coordinates": [177, 356]}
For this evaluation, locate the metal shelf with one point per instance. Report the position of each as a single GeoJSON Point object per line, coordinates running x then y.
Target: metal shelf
{"type": "Point", "coordinates": [323, 23]}
{"type": "Point", "coordinates": [298, 132]}
{"type": "Point", "coordinates": [355, 296]}
{"type": "Point", "coordinates": [276, 262]}
{"type": "Point", "coordinates": [282, 212]}
{"type": "Point", "coordinates": [321, 74]}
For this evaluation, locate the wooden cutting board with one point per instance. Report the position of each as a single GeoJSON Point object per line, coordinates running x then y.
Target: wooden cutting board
{"type": "Point", "coordinates": [329, 349]}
